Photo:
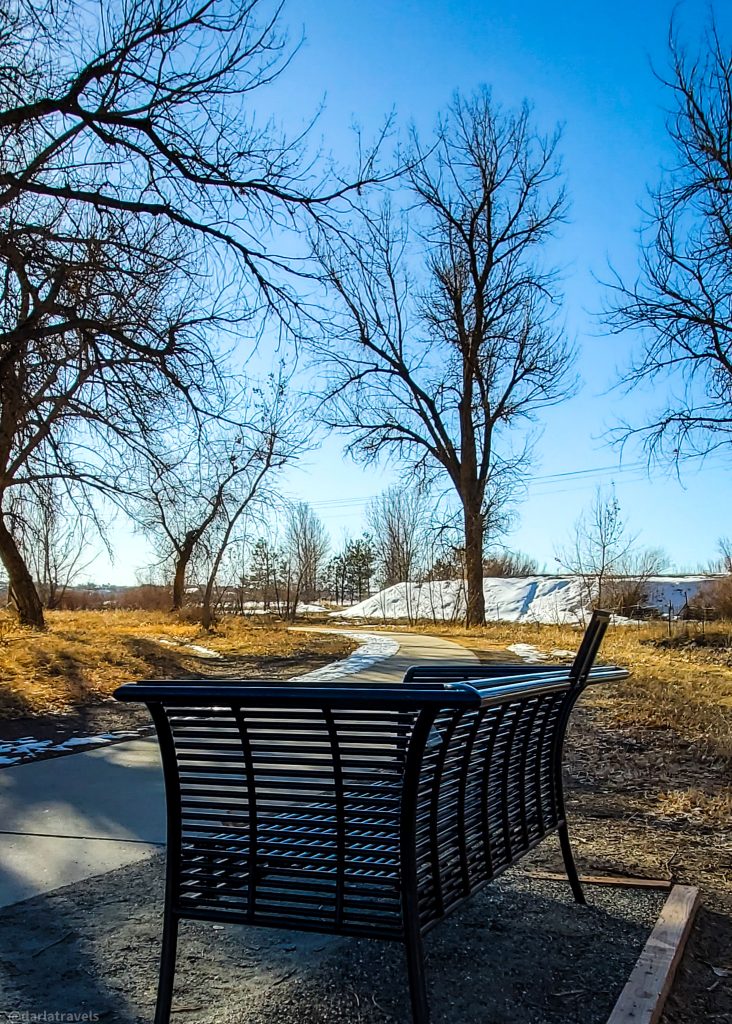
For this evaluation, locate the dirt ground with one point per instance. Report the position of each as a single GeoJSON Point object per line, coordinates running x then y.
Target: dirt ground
{"type": "Point", "coordinates": [618, 825]}
{"type": "Point", "coordinates": [521, 951]}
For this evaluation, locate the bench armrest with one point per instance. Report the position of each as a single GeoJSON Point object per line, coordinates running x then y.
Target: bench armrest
{"type": "Point", "coordinates": [257, 692]}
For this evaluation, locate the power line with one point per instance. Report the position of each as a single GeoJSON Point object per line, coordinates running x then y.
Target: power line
{"type": "Point", "coordinates": [627, 468]}
{"type": "Point", "coordinates": [634, 468]}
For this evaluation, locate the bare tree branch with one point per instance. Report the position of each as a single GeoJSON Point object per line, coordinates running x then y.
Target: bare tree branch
{"type": "Point", "coordinates": [681, 303]}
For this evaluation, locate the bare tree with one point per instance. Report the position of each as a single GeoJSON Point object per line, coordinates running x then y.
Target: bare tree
{"type": "Point", "coordinates": [509, 564]}
{"type": "Point", "coordinates": [184, 501]}
{"type": "Point", "coordinates": [628, 592]}
{"type": "Point", "coordinates": [605, 555]}
{"type": "Point", "coordinates": [147, 108]}
{"type": "Point", "coordinates": [397, 521]}
{"type": "Point", "coordinates": [446, 339]}
{"type": "Point", "coordinates": [600, 542]}
{"type": "Point", "coordinates": [305, 549]}
{"type": "Point", "coordinates": [233, 511]}
{"type": "Point", "coordinates": [95, 335]}
{"type": "Point", "coordinates": [724, 562]}
{"type": "Point", "coordinates": [681, 303]}
{"type": "Point", "coordinates": [54, 538]}
{"type": "Point", "coordinates": [194, 505]}
{"type": "Point", "coordinates": [445, 561]}
{"type": "Point", "coordinates": [135, 184]}
{"type": "Point", "coordinates": [714, 598]}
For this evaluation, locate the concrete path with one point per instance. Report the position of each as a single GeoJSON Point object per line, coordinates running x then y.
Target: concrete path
{"type": "Point", "coordinates": [414, 649]}
{"type": "Point", "coordinates": [77, 816]}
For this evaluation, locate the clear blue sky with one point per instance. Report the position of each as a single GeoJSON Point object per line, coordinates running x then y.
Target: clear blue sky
{"type": "Point", "coordinates": [588, 66]}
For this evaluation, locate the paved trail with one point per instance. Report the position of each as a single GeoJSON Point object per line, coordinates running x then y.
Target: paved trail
{"type": "Point", "coordinates": [74, 817]}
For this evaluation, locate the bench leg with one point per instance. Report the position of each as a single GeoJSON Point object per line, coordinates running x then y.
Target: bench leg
{"type": "Point", "coordinates": [167, 968]}
{"type": "Point", "coordinates": [569, 864]}
{"type": "Point", "coordinates": [415, 971]}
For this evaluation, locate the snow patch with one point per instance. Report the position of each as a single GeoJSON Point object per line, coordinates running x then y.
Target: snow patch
{"type": "Point", "coordinates": [374, 648]}
{"type": "Point", "coordinates": [203, 652]}
{"type": "Point", "coordinates": [258, 608]}
{"type": "Point", "coordinates": [527, 652]}
{"type": "Point", "coordinates": [556, 600]}
{"type": "Point", "coordinates": [27, 748]}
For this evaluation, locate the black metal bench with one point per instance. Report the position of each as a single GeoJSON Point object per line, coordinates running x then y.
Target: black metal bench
{"type": "Point", "coordinates": [368, 809]}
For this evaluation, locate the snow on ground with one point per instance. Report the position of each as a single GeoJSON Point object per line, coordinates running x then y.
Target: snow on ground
{"type": "Point", "coordinates": [202, 652]}
{"type": "Point", "coordinates": [532, 655]}
{"type": "Point", "coordinates": [373, 648]}
{"type": "Point", "coordinates": [527, 652]}
{"type": "Point", "coordinates": [258, 608]}
{"type": "Point", "coordinates": [550, 599]}
{"type": "Point", "coordinates": [27, 748]}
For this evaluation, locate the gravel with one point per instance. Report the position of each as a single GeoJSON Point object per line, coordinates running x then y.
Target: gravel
{"type": "Point", "coordinates": [520, 951]}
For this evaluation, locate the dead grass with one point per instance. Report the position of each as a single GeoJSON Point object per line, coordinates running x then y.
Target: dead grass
{"type": "Point", "coordinates": [683, 687]}
{"type": "Point", "coordinates": [677, 704]}
{"type": "Point", "coordinates": [694, 805]}
{"type": "Point", "coordinates": [84, 656]}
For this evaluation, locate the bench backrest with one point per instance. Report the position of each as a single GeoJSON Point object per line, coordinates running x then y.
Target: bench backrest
{"type": "Point", "coordinates": [579, 668]}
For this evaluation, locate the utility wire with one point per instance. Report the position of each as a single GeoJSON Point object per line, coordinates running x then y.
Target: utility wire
{"type": "Point", "coordinates": [631, 469]}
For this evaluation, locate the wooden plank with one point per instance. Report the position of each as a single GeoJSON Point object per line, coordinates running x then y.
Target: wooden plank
{"type": "Point", "coordinates": [621, 881]}
{"type": "Point", "coordinates": [642, 1000]}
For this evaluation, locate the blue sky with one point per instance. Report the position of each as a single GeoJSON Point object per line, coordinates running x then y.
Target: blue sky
{"type": "Point", "coordinates": [588, 67]}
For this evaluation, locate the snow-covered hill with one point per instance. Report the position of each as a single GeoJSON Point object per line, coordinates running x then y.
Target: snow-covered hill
{"type": "Point", "coordinates": [552, 599]}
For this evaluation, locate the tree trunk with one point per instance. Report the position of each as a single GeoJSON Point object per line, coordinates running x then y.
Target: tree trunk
{"type": "Point", "coordinates": [207, 616]}
{"type": "Point", "coordinates": [294, 602]}
{"type": "Point", "coordinates": [475, 609]}
{"type": "Point", "coordinates": [181, 566]}
{"type": "Point", "coordinates": [23, 597]}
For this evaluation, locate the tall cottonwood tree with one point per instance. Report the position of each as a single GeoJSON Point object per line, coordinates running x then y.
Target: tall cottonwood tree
{"type": "Point", "coordinates": [446, 336]}
{"type": "Point", "coordinates": [135, 184]}
{"type": "Point", "coordinates": [681, 303]}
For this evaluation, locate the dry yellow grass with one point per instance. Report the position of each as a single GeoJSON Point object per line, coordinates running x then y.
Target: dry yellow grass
{"type": "Point", "coordinates": [84, 656]}
{"type": "Point", "coordinates": [695, 805]}
{"type": "Point", "coordinates": [684, 688]}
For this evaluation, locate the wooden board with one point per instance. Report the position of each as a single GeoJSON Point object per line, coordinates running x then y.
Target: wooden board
{"type": "Point", "coordinates": [617, 880]}
{"type": "Point", "coordinates": [643, 998]}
